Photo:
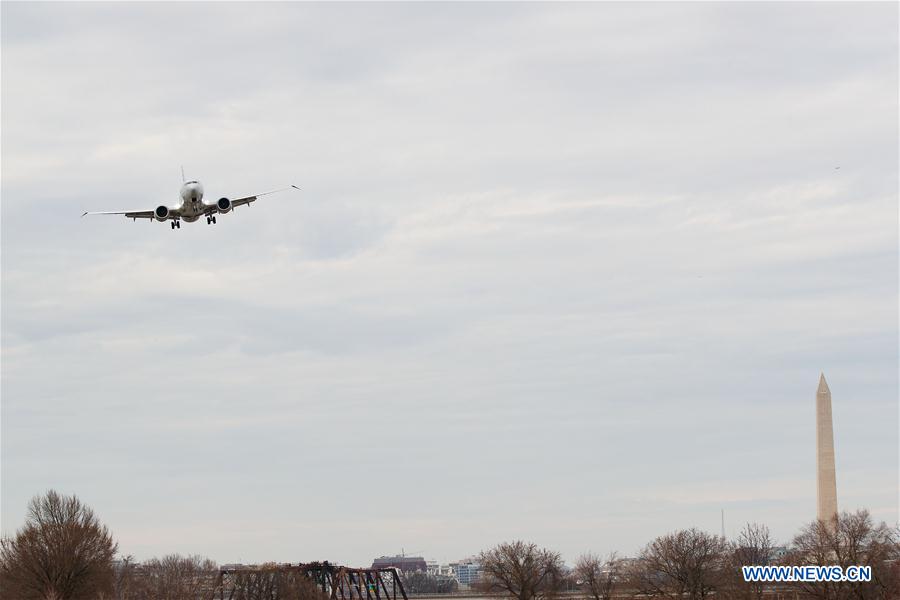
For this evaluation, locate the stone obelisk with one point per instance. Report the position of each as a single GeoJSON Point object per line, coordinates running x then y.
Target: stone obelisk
{"type": "Point", "coordinates": [826, 490]}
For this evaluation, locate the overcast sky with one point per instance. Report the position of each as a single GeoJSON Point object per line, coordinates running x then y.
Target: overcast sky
{"type": "Point", "coordinates": [560, 272]}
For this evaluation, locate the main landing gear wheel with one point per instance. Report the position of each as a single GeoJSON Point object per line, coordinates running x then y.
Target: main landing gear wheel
{"type": "Point", "coordinates": [214, 220]}
{"type": "Point", "coordinates": [210, 220]}
{"type": "Point", "coordinates": [176, 224]}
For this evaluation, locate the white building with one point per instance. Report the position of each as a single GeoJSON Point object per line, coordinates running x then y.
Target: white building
{"type": "Point", "coordinates": [467, 571]}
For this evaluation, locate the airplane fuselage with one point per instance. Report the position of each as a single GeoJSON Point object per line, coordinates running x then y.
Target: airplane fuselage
{"type": "Point", "coordinates": [191, 206]}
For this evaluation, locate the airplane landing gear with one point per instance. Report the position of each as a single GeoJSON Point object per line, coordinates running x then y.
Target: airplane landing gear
{"type": "Point", "coordinates": [210, 220]}
{"type": "Point", "coordinates": [176, 224]}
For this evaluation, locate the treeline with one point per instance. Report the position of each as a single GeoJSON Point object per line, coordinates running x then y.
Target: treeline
{"type": "Point", "coordinates": [63, 552]}
{"type": "Point", "coordinates": [692, 564]}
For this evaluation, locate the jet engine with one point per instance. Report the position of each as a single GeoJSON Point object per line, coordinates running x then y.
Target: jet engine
{"type": "Point", "coordinates": [161, 213]}
{"type": "Point", "coordinates": [224, 205]}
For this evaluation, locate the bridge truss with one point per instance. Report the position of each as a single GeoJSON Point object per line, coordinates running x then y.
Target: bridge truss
{"type": "Point", "coordinates": [287, 582]}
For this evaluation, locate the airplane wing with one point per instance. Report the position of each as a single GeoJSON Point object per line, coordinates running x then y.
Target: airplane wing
{"type": "Point", "coordinates": [249, 199]}
{"type": "Point", "coordinates": [131, 214]}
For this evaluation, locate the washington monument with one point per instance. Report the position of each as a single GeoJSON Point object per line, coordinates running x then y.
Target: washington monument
{"type": "Point", "coordinates": [826, 487]}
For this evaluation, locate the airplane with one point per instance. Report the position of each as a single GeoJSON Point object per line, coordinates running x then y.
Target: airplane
{"type": "Point", "coordinates": [190, 208]}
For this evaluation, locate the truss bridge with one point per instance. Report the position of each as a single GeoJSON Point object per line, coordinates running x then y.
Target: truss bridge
{"type": "Point", "coordinates": [304, 581]}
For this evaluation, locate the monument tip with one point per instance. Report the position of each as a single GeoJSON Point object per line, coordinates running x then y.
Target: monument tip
{"type": "Point", "coordinates": [823, 385]}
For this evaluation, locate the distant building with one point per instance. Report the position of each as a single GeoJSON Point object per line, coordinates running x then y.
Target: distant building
{"type": "Point", "coordinates": [467, 572]}
{"type": "Point", "coordinates": [405, 564]}
{"type": "Point", "coordinates": [619, 569]}
{"type": "Point", "coordinates": [436, 569]}
{"type": "Point", "coordinates": [777, 553]}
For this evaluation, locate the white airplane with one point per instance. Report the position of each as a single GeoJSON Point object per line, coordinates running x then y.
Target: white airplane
{"type": "Point", "coordinates": [190, 208]}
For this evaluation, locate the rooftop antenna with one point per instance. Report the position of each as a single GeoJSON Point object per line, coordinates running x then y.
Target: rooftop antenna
{"type": "Point", "coordinates": [182, 174]}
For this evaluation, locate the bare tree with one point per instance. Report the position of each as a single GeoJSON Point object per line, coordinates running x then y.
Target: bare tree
{"type": "Point", "coordinates": [62, 553]}
{"type": "Point", "coordinates": [686, 563]}
{"type": "Point", "coordinates": [126, 585]}
{"type": "Point", "coordinates": [522, 570]}
{"type": "Point", "coordinates": [173, 577]}
{"type": "Point", "coordinates": [851, 539]}
{"type": "Point", "coordinates": [598, 578]}
{"type": "Point", "coordinates": [754, 546]}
